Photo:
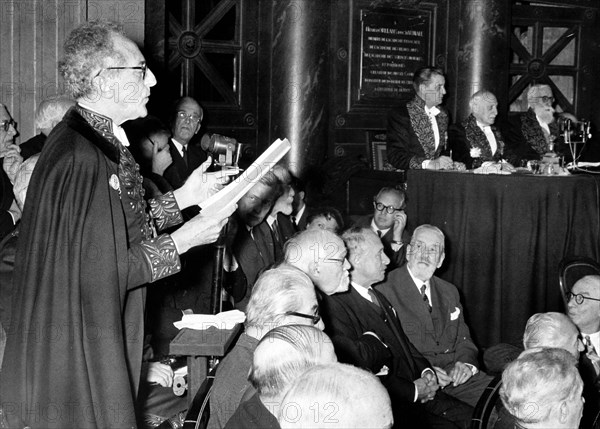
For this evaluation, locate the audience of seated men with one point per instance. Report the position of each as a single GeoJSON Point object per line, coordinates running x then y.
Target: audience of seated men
{"type": "Point", "coordinates": [320, 254]}
{"type": "Point", "coordinates": [281, 296]}
{"type": "Point", "coordinates": [252, 248]}
{"type": "Point", "coordinates": [477, 140]}
{"type": "Point", "coordinates": [366, 332]}
{"type": "Point", "coordinates": [432, 316]}
{"type": "Point", "coordinates": [417, 131]}
{"type": "Point", "coordinates": [281, 356]}
{"type": "Point", "coordinates": [328, 218]}
{"type": "Point", "coordinates": [9, 154]}
{"type": "Point", "coordinates": [542, 389]}
{"type": "Point", "coordinates": [388, 221]}
{"type": "Point", "coordinates": [532, 133]}
{"type": "Point", "coordinates": [337, 396]}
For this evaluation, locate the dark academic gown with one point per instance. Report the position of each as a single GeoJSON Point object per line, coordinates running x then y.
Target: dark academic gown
{"type": "Point", "coordinates": [74, 354]}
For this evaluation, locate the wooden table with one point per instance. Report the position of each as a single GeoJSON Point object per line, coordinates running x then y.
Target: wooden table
{"type": "Point", "coordinates": [198, 346]}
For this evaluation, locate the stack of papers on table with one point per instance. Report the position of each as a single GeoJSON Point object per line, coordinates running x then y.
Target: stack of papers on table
{"type": "Point", "coordinates": [224, 320]}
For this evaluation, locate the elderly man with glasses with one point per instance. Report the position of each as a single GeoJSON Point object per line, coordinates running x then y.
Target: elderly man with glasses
{"type": "Point", "coordinates": [388, 221]}
{"type": "Point", "coordinates": [186, 120]}
{"type": "Point", "coordinates": [532, 133]}
{"type": "Point", "coordinates": [10, 159]}
{"type": "Point", "coordinates": [88, 243]}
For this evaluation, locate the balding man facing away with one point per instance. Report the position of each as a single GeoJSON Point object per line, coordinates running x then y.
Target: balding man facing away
{"type": "Point", "coordinates": [542, 389]}
{"type": "Point", "coordinates": [281, 356]}
{"type": "Point", "coordinates": [336, 396]}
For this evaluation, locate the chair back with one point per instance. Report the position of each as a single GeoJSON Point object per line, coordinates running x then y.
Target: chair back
{"type": "Point", "coordinates": [573, 268]}
{"type": "Point", "coordinates": [485, 414]}
{"type": "Point", "coordinates": [199, 412]}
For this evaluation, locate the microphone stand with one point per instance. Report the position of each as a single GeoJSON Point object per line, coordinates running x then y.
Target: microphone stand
{"type": "Point", "coordinates": [216, 302]}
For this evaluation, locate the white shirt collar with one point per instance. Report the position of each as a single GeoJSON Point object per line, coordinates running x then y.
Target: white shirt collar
{"type": "Point", "coordinates": [482, 126]}
{"type": "Point", "coordinates": [542, 124]}
{"type": "Point", "coordinates": [595, 338]}
{"type": "Point", "coordinates": [375, 228]}
{"type": "Point", "coordinates": [418, 283]}
{"type": "Point", "coordinates": [178, 145]}
{"type": "Point", "coordinates": [363, 291]}
{"type": "Point", "coordinates": [300, 213]}
{"type": "Point", "coordinates": [432, 110]}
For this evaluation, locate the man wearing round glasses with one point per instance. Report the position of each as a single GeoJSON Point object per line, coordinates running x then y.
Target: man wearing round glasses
{"type": "Point", "coordinates": [186, 121]}
{"type": "Point", "coordinates": [584, 309]}
{"type": "Point", "coordinates": [388, 221]}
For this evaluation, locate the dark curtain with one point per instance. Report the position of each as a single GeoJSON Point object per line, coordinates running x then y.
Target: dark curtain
{"type": "Point", "coordinates": [505, 236]}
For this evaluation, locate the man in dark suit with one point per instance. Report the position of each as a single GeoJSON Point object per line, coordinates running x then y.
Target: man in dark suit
{"type": "Point", "coordinates": [476, 140]}
{"type": "Point", "coordinates": [388, 221]}
{"type": "Point", "coordinates": [366, 332]}
{"type": "Point", "coordinates": [9, 212]}
{"type": "Point", "coordinates": [185, 124]}
{"type": "Point", "coordinates": [300, 211]}
{"type": "Point", "coordinates": [416, 132]}
{"type": "Point", "coordinates": [432, 316]}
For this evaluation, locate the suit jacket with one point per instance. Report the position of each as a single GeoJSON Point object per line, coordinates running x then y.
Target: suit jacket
{"type": "Point", "coordinates": [6, 199]}
{"type": "Point", "coordinates": [410, 139]}
{"type": "Point", "coordinates": [301, 222]}
{"type": "Point", "coordinates": [525, 138]}
{"type": "Point", "coordinates": [178, 171]}
{"type": "Point", "coordinates": [467, 135]}
{"type": "Point", "coordinates": [253, 255]}
{"type": "Point", "coordinates": [397, 259]}
{"type": "Point", "coordinates": [348, 316]}
{"type": "Point", "coordinates": [442, 335]}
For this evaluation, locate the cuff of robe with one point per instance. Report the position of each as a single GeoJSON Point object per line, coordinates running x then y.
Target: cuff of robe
{"type": "Point", "coordinates": [165, 211]}
{"type": "Point", "coordinates": [161, 254]}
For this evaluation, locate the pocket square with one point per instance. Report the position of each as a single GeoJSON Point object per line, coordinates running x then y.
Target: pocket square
{"type": "Point", "coordinates": [454, 315]}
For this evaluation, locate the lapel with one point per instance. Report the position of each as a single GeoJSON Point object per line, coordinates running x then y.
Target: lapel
{"type": "Point", "coordinates": [410, 293]}
{"type": "Point", "coordinates": [393, 323]}
{"type": "Point", "coordinates": [264, 242]}
{"type": "Point", "coordinates": [440, 308]}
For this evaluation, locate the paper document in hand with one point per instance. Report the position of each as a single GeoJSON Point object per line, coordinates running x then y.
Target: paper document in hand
{"type": "Point", "coordinates": [232, 193]}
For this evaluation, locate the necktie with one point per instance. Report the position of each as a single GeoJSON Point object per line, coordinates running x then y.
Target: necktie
{"type": "Point", "coordinates": [491, 138]}
{"type": "Point", "coordinates": [424, 296]}
{"type": "Point", "coordinates": [275, 228]}
{"type": "Point", "coordinates": [293, 220]}
{"type": "Point", "coordinates": [373, 297]}
{"type": "Point", "coordinates": [379, 233]}
{"type": "Point", "coordinates": [185, 155]}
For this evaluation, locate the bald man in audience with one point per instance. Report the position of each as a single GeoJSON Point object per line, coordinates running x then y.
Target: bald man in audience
{"type": "Point", "coordinates": [542, 389]}
{"type": "Point", "coordinates": [320, 254]}
{"type": "Point", "coordinates": [477, 140]}
{"type": "Point", "coordinates": [367, 332]}
{"type": "Point", "coordinates": [281, 296]}
{"type": "Point", "coordinates": [388, 221]}
{"type": "Point", "coordinates": [281, 356]}
{"type": "Point", "coordinates": [432, 316]}
{"type": "Point", "coordinates": [337, 396]}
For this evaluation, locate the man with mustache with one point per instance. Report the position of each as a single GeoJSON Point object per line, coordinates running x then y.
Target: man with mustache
{"type": "Point", "coordinates": [432, 316]}
{"type": "Point", "coordinates": [532, 133]}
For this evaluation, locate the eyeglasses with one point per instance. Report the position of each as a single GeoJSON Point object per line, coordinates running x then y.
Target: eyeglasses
{"type": "Point", "coordinates": [546, 99]}
{"type": "Point", "coordinates": [381, 207]}
{"type": "Point", "coordinates": [143, 68]}
{"type": "Point", "coordinates": [188, 117]}
{"type": "Point", "coordinates": [7, 123]}
{"type": "Point", "coordinates": [316, 318]}
{"type": "Point", "coordinates": [579, 298]}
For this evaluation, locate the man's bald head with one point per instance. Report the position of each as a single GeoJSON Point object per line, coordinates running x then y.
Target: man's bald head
{"type": "Point", "coordinates": [484, 107]}
{"type": "Point", "coordinates": [552, 330]}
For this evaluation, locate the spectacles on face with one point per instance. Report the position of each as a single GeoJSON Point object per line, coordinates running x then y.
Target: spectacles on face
{"type": "Point", "coordinates": [316, 318]}
{"type": "Point", "coordinates": [579, 298]}
{"type": "Point", "coordinates": [188, 117]}
{"type": "Point", "coordinates": [546, 99]}
{"type": "Point", "coordinates": [338, 260]}
{"type": "Point", "coordinates": [7, 123]}
{"type": "Point", "coordinates": [388, 209]}
{"type": "Point", "coordinates": [143, 68]}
